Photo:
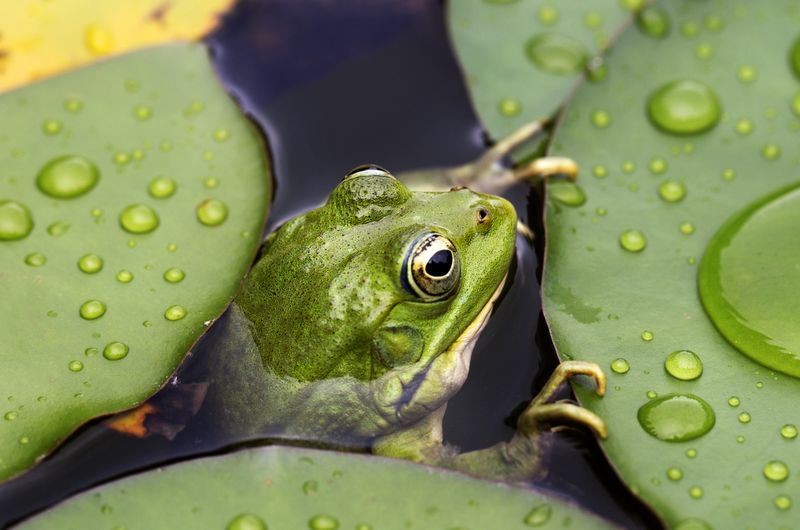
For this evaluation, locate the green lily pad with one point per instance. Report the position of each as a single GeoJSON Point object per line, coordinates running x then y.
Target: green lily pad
{"type": "Point", "coordinates": [279, 487]}
{"type": "Point", "coordinates": [702, 128]}
{"type": "Point", "coordinates": [113, 249]}
{"type": "Point", "coordinates": [521, 57]}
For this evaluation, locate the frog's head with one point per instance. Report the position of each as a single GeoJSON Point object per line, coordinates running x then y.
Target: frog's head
{"type": "Point", "coordinates": [381, 286]}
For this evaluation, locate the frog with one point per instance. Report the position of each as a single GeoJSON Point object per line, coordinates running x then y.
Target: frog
{"type": "Point", "coordinates": [357, 323]}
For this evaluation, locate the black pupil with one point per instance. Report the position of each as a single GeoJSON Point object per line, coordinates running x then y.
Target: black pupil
{"type": "Point", "coordinates": [439, 264]}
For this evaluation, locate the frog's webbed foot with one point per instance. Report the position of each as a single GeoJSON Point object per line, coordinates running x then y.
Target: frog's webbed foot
{"type": "Point", "coordinates": [540, 414]}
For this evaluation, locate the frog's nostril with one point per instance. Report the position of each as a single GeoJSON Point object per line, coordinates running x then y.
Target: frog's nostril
{"type": "Point", "coordinates": [483, 218]}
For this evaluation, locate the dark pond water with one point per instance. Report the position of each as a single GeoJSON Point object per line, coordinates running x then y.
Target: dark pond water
{"type": "Point", "coordinates": [334, 85]}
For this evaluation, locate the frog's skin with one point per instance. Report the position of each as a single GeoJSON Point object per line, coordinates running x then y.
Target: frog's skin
{"type": "Point", "coordinates": [335, 340]}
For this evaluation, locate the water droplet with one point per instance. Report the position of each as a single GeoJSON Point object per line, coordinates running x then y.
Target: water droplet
{"type": "Point", "coordinates": [728, 174]}
{"type": "Point", "coordinates": [684, 107]}
{"type": "Point", "coordinates": [10, 415]}
{"type": "Point", "coordinates": [52, 313]}
{"type": "Point", "coordinates": [138, 219]}
{"type": "Point", "coordinates": [246, 521]}
{"type": "Point", "coordinates": [620, 366]}
{"type": "Point", "coordinates": [776, 471]}
{"type": "Point", "coordinates": [124, 276]}
{"type": "Point", "coordinates": [73, 105]}
{"type": "Point", "coordinates": [689, 29]}
{"type": "Point", "coordinates": [51, 127]}
{"type": "Point", "coordinates": [92, 309]}
{"type": "Point", "coordinates": [789, 431]}
{"type": "Point", "coordinates": [686, 228]}
{"type": "Point", "coordinates": [161, 187]}
{"type": "Point", "coordinates": [137, 154]}
{"type": "Point", "coordinates": [632, 5]}
{"type": "Point", "coordinates": [599, 211]}
{"type": "Point", "coordinates": [654, 22]}
{"type": "Point", "coordinates": [600, 171]}
{"type": "Point", "coordinates": [556, 54]}
{"type": "Point", "coordinates": [35, 259]}
{"type": "Point", "coordinates": [674, 474]}
{"type": "Point", "coordinates": [647, 336]}
{"type": "Point", "coordinates": [75, 366]}
{"type": "Point", "coordinates": [672, 191]}
{"type": "Point", "coordinates": [90, 352]}
{"type": "Point", "coordinates": [172, 247]}
{"type": "Point", "coordinates": [704, 51]}
{"type": "Point", "coordinates": [684, 365]}
{"type": "Point", "coordinates": [657, 166]}
{"type": "Point", "coordinates": [222, 135]}
{"type": "Point", "coordinates": [115, 351]}
{"type": "Point", "coordinates": [759, 384]}
{"type": "Point", "coordinates": [175, 312]}
{"type": "Point", "coordinates": [756, 246]}
{"type": "Point", "coordinates": [174, 275]}
{"type": "Point", "coordinates": [211, 212]}
{"type": "Point", "coordinates": [90, 263]}
{"type": "Point", "coordinates": [98, 40]}
{"type": "Point", "coordinates": [696, 492]}
{"type": "Point", "coordinates": [744, 417]}
{"type": "Point", "coordinates": [310, 487]}
{"type": "Point", "coordinates": [592, 20]}
{"type": "Point", "coordinates": [744, 126]}
{"type": "Point", "coordinates": [770, 152]}
{"type": "Point", "coordinates": [121, 158]}
{"type": "Point", "coordinates": [509, 107]}
{"type": "Point", "coordinates": [734, 401]}
{"type": "Point", "coordinates": [633, 240]}
{"type": "Point", "coordinates": [16, 221]}
{"type": "Point", "coordinates": [58, 228]}
{"type": "Point", "coordinates": [651, 394]}
{"type": "Point", "coordinates": [783, 502]}
{"type": "Point", "coordinates": [142, 112]}
{"type": "Point", "coordinates": [740, 439]}
{"type": "Point", "coordinates": [25, 441]}
{"type": "Point", "coordinates": [538, 516]}
{"type": "Point", "coordinates": [567, 193]}
{"type": "Point", "coordinates": [676, 417]}
{"type": "Point", "coordinates": [601, 119]}
{"type": "Point", "coordinates": [323, 522]}
{"type": "Point", "coordinates": [628, 167]}
{"type": "Point", "coordinates": [211, 182]}
{"type": "Point", "coordinates": [746, 73]}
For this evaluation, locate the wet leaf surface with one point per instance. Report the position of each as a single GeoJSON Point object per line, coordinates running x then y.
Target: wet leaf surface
{"type": "Point", "coordinates": [698, 126]}
{"type": "Point", "coordinates": [132, 196]}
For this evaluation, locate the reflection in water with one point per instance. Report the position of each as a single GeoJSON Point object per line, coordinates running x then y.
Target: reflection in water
{"type": "Point", "coordinates": [334, 85]}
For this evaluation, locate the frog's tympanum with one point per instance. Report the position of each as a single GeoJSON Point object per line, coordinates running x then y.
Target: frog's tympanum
{"type": "Point", "coordinates": [357, 324]}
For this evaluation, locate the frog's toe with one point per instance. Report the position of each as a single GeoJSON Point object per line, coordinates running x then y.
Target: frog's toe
{"type": "Point", "coordinates": [538, 417]}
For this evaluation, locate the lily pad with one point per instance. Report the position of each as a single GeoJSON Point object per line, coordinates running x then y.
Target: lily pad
{"type": "Point", "coordinates": [278, 487]}
{"type": "Point", "coordinates": [132, 196]}
{"type": "Point", "coordinates": [521, 57]}
{"type": "Point", "coordinates": [39, 39]}
{"type": "Point", "coordinates": [701, 134]}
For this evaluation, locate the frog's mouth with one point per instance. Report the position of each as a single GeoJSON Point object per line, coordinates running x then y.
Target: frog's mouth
{"type": "Point", "coordinates": [426, 390]}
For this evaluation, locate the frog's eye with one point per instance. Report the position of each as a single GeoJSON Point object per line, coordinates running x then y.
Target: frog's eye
{"type": "Point", "coordinates": [432, 267]}
{"type": "Point", "coordinates": [367, 170]}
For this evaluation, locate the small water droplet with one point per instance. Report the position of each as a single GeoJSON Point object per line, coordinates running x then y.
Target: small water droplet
{"type": "Point", "coordinates": [696, 492]}
{"type": "Point", "coordinates": [770, 152]}
{"type": "Point", "coordinates": [174, 275]}
{"type": "Point", "coordinates": [138, 219]}
{"type": "Point", "coordinates": [121, 158]}
{"type": "Point", "coordinates": [172, 247]}
{"type": "Point", "coordinates": [628, 167]}
{"type": "Point", "coordinates": [137, 154]}
{"type": "Point", "coordinates": [246, 521]}
{"type": "Point", "coordinates": [73, 105]}
{"type": "Point", "coordinates": [90, 352]}
{"type": "Point", "coordinates": [538, 516]}
{"type": "Point", "coordinates": [601, 211]}
{"type": "Point", "coordinates": [620, 366]}
{"type": "Point", "coordinates": [211, 182]}
{"type": "Point", "coordinates": [58, 228]}
{"type": "Point", "coordinates": [92, 309]}
{"type": "Point", "coordinates": [704, 51]}
{"type": "Point", "coordinates": [746, 73]}
{"type": "Point", "coordinates": [789, 431]}
{"type": "Point", "coordinates": [124, 276]}
{"type": "Point", "coordinates": [509, 107]}
{"type": "Point", "coordinates": [10, 415]}
{"type": "Point", "coordinates": [161, 187]}
{"type": "Point", "coordinates": [744, 126]}
{"type": "Point", "coordinates": [600, 171]}
{"type": "Point", "coordinates": [672, 191]}
{"type": "Point", "coordinates": [567, 193]}
{"type": "Point", "coordinates": [734, 401]}
{"type": "Point", "coordinates": [783, 502]}
{"type": "Point", "coordinates": [654, 22]}
{"type": "Point", "coordinates": [75, 366]}
{"type": "Point", "coordinates": [684, 107]}
{"type": "Point", "coordinates": [98, 40]}
{"type": "Point", "coordinates": [759, 384]}
{"type": "Point", "coordinates": [310, 487]}
{"type": "Point", "coordinates": [740, 439]}
{"type": "Point", "coordinates": [222, 135]}
{"type": "Point", "coordinates": [142, 112]}
{"type": "Point", "coordinates": [90, 263]}
{"type": "Point", "coordinates": [601, 119]}
{"type": "Point", "coordinates": [744, 417]}
{"type": "Point", "coordinates": [115, 351]}
{"type": "Point", "coordinates": [16, 221]}
{"type": "Point", "coordinates": [24, 440]}
{"type": "Point", "coordinates": [175, 312]}
{"type": "Point", "coordinates": [556, 54]}
{"type": "Point", "coordinates": [651, 394]}
{"type": "Point", "coordinates": [674, 474]}
{"type": "Point", "coordinates": [211, 212]}
{"type": "Point", "coordinates": [776, 471]}
{"type": "Point", "coordinates": [728, 174]}
{"type": "Point", "coordinates": [676, 417]}
{"type": "Point", "coordinates": [52, 313]}
{"type": "Point", "coordinates": [323, 522]}
{"type": "Point", "coordinates": [35, 259]}
{"type": "Point", "coordinates": [657, 166]}
{"type": "Point", "coordinates": [633, 240]}
{"type": "Point", "coordinates": [52, 127]}
{"type": "Point", "coordinates": [686, 228]}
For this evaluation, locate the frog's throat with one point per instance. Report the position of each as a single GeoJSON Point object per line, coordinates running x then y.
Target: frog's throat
{"type": "Point", "coordinates": [426, 390]}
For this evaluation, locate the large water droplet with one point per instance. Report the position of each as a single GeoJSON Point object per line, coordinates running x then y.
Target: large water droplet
{"type": "Point", "coordinates": [211, 212]}
{"type": "Point", "coordinates": [672, 191]}
{"type": "Point", "coordinates": [90, 263]}
{"type": "Point", "coordinates": [783, 502]}
{"type": "Point", "coordinates": [138, 219]}
{"type": "Point", "coordinates": [556, 54]}
{"type": "Point", "coordinates": [748, 278]}
{"type": "Point", "coordinates": [115, 351]}
{"type": "Point", "coordinates": [684, 365]}
{"type": "Point", "coordinates": [75, 366]}
{"type": "Point", "coordinates": [16, 221]}
{"type": "Point", "coordinates": [633, 240]}
{"type": "Point", "coordinates": [538, 516]}
{"type": "Point", "coordinates": [789, 431]}
{"type": "Point", "coordinates": [246, 521]}
{"type": "Point", "coordinates": [175, 312]}
{"type": "Point", "coordinates": [174, 275]}
{"type": "Point", "coordinates": [684, 107]}
{"type": "Point", "coordinates": [676, 417]}
{"type": "Point", "coordinates": [567, 193]}
{"type": "Point", "coordinates": [323, 522]}
{"type": "Point", "coordinates": [35, 259]}
{"type": "Point", "coordinates": [92, 309]}
{"type": "Point", "coordinates": [161, 187]}
{"type": "Point", "coordinates": [776, 471]}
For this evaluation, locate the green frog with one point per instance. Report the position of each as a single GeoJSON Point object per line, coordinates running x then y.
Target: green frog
{"type": "Point", "coordinates": [357, 324]}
